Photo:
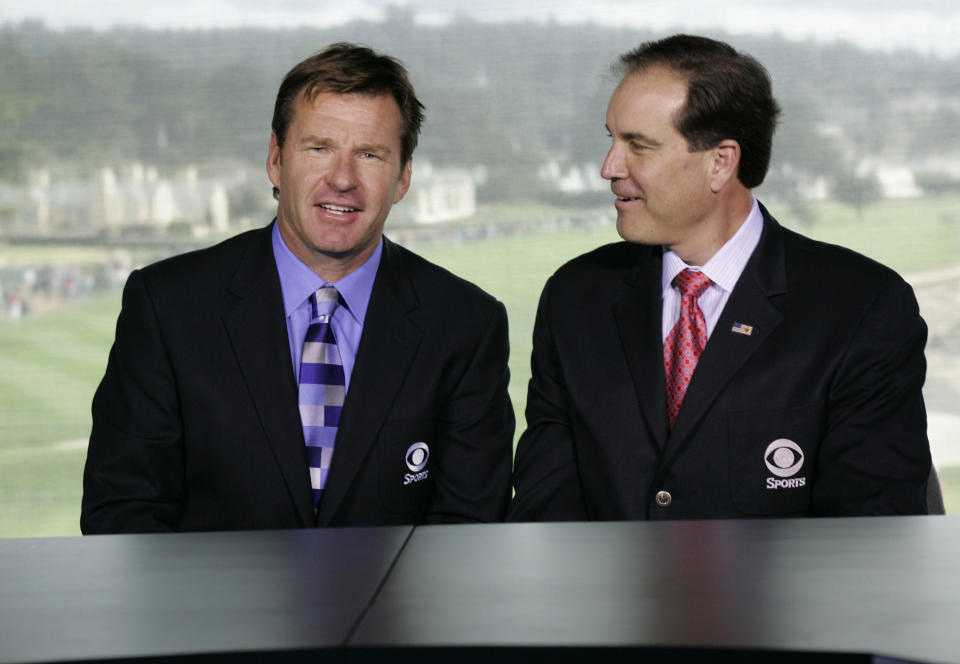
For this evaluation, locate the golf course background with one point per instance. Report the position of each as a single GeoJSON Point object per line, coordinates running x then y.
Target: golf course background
{"type": "Point", "coordinates": [51, 361]}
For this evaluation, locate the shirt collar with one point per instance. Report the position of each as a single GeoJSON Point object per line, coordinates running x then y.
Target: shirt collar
{"type": "Point", "coordinates": [297, 281]}
{"type": "Point", "coordinates": [724, 267]}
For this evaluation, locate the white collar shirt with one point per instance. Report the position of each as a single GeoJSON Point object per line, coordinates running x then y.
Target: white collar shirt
{"type": "Point", "coordinates": [724, 269]}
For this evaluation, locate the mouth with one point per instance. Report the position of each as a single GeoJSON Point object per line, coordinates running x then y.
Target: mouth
{"type": "Point", "coordinates": [337, 209]}
{"type": "Point", "coordinates": [623, 198]}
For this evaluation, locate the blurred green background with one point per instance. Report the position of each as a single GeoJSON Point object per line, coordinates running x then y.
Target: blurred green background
{"type": "Point", "coordinates": [51, 362]}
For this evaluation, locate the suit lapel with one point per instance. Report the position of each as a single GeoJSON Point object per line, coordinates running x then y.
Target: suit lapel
{"type": "Point", "coordinates": [387, 348]}
{"type": "Point", "coordinates": [638, 315]}
{"type": "Point", "coordinates": [255, 324]}
{"type": "Point", "coordinates": [726, 351]}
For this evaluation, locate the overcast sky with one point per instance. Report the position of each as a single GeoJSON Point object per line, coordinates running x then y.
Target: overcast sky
{"type": "Point", "coordinates": [929, 26]}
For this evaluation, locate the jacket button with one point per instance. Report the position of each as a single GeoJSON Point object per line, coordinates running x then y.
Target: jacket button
{"type": "Point", "coordinates": [664, 498]}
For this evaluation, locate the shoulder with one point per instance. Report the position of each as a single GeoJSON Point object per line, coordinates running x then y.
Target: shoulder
{"type": "Point", "coordinates": [431, 283]}
{"type": "Point", "coordinates": [209, 260]}
{"type": "Point", "coordinates": [613, 257]}
{"type": "Point", "coordinates": [209, 272]}
{"type": "Point", "coordinates": [812, 263]}
{"type": "Point", "coordinates": [610, 263]}
{"type": "Point", "coordinates": [843, 287]}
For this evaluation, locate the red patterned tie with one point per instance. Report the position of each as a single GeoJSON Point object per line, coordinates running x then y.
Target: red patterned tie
{"type": "Point", "coordinates": [686, 340]}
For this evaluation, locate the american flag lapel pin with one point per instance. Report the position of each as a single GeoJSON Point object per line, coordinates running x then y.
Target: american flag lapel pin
{"type": "Point", "coordinates": [742, 328]}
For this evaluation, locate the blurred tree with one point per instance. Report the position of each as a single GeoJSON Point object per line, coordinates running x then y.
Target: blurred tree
{"type": "Point", "coordinates": [857, 191]}
{"type": "Point", "coordinates": [937, 184]}
{"type": "Point", "coordinates": [506, 97]}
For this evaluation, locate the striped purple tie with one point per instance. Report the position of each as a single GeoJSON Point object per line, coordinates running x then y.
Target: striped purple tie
{"type": "Point", "coordinates": [322, 388]}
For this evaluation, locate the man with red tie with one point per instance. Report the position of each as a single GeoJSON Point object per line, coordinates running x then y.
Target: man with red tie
{"type": "Point", "coordinates": [715, 364]}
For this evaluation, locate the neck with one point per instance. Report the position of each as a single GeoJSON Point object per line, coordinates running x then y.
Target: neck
{"type": "Point", "coordinates": [724, 221]}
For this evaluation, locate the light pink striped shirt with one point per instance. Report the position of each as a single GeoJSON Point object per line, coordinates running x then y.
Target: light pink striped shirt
{"type": "Point", "coordinates": [724, 269]}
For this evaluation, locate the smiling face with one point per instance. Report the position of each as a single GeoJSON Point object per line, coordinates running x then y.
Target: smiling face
{"type": "Point", "coordinates": [338, 173]}
{"type": "Point", "coordinates": [663, 189]}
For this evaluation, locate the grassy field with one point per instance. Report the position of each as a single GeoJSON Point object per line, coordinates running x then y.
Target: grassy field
{"type": "Point", "coordinates": [49, 367]}
{"type": "Point", "coordinates": [50, 364]}
{"type": "Point", "coordinates": [908, 235]}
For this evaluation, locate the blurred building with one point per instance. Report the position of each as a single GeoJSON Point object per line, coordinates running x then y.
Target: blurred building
{"type": "Point", "coordinates": [437, 195]}
{"type": "Point", "coordinates": [135, 197]}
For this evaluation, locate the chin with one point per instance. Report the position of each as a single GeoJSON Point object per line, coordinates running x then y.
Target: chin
{"type": "Point", "coordinates": [636, 233]}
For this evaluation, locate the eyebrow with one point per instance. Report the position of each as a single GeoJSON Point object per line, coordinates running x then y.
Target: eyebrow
{"type": "Point", "coordinates": [313, 139]}
{"type": "Point", "coordinates": [635, 136]}
{"type": "Point", "coordinates": [374, 148]}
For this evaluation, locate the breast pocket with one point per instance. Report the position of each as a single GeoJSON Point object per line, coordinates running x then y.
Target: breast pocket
{"type": "Point", "coordinates": [406, 467]}
{"type": "Point", "coordinates": [773, 459]}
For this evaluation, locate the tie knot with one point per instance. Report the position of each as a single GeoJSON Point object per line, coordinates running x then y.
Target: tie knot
{"type": "Point", "coordinates": [691, 282]}
{"type": "Point", "coordinates": [323, 302]}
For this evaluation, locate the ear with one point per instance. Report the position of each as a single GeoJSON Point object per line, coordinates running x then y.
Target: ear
{"type": "Point", "coordinates": [404, 183]}
{"type": "Point", "coordinates": [724, 164]}
{"type": "Point", "coordinates": [274, 161]}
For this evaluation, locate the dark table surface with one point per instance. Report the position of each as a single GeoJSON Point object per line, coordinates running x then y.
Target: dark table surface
{"type": "Point", "coordinates": [191, 593]}
{"type": "Point", "coordinates": [884, 586]}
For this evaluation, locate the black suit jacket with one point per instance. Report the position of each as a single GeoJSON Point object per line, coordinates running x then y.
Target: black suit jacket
{"type": "Point", "coordinates": [196, 424]}
{"type": "Point", "coordinates": [833, 364]}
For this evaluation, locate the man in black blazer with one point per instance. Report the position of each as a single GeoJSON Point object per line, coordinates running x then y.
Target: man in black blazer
{"type": "Point", "coordinates": [806, 398]}
{"type": "Point", "coordinates": [197, 423]}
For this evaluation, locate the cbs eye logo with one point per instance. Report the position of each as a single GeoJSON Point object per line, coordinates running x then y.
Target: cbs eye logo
{"type": "Point", "coordinates": [417, 456]}
{"type": "Point", "coordinates": [783, 457]}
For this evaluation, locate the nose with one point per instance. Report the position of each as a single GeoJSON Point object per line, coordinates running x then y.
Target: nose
{"type": "Point", "coordinates": [343, 177]}
{"type": "Point", "coordinates": [613, 164]}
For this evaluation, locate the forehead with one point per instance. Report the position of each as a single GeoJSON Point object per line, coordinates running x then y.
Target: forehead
{"type": "Point", "coordinates": [365, 116]}
{"type": "Point", "coordinates": [652, 96]}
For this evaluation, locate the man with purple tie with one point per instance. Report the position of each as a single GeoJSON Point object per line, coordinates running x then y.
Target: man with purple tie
{"type": "Point", "coordinates": [311, 373]}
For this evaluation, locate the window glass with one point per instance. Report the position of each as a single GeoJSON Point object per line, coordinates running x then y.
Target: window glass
{"type": "Point", "coordinates": [130, 131]}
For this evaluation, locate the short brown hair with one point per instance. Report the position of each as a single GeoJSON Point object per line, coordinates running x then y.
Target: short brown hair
{"type": "Point", "coordinates": [729, 95]}
{"type": "Point", "coordinates": [351, 69]}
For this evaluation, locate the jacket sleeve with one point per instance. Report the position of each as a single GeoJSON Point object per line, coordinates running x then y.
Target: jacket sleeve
{"type": "Point", "coordinates": [875, 456]}
{"type": "Point", "coordinates": [545, 478]}
{"type": "Point", "coordinates": [476, 427]}
{"type": "Point", "coordinates": [134, 477]}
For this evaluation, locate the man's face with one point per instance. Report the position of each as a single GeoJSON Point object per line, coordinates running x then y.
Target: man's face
{"type": "Point", "coordinates": [338, 173]}
{"type": "Point", "coordinates": [663, 189]}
